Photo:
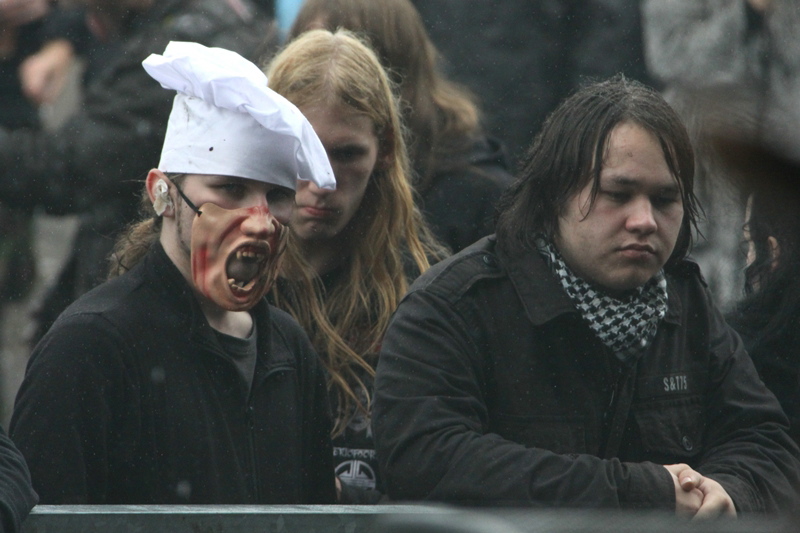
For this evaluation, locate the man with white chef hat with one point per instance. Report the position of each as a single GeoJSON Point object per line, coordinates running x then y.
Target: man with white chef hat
{"type": "Point", "coordinates": [176, 382]}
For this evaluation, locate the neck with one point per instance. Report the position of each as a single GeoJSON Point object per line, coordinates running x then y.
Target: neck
{"type": "Point", "coordinates": [324, 256]}
{"type": "Point", "coordinates": [234, 323]}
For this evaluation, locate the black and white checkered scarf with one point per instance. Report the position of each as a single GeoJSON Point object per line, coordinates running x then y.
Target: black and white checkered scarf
{"type": "Point", "coordinates": [628, 325]}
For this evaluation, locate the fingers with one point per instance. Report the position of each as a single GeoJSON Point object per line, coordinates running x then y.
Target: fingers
{"type": "Point", "coordinates": [687, 502]}
{"type": "Point", "coordinates": [697, 496]}
{"type": "Point", "coordinates": [716, 501]}
{"type": "Point", "coordinates": [688, 478]}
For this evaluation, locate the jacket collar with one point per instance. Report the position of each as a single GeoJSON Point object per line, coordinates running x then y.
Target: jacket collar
{"type": "Point", "coordinates": [544, 299]}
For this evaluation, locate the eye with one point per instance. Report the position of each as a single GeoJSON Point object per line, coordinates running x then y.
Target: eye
{"type": "Point", "coordinates": [232, 189]}
{"type": "Point", "coordinates": [281, 203]}
{"type": "Point", "coordinates": [663, 201]}
{"type": "Point", "coordinates": [345, 154]}
{"type": "Point", "coordinates": [280, 196]}
{"type": "Point", "coordinates": [617, 196]}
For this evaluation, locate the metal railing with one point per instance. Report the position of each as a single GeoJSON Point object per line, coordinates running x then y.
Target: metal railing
{"type": "Point", "coordinates": [371, 519]}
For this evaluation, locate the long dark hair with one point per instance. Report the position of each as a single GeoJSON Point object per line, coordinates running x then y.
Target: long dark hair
{"type": "Point", "coordinates": [562, 159]}
{"type": "Point", "coordinates": [442, 116]}
{"type": "Point", "coordinates": [771, 308]}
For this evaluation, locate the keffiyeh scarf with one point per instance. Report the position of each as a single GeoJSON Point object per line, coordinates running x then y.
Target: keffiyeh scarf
{"type": "Point", "coordinates": [628, 325]}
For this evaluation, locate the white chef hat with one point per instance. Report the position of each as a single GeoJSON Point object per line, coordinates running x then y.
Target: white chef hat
{"type": "Point", "coordinates": [226, 121]}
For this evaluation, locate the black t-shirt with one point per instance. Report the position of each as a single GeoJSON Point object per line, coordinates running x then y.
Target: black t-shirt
{"type": "Point", "coordinates": [242, 352]}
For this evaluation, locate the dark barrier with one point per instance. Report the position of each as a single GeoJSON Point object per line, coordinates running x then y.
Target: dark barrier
{"type": "Point", "coordinates": [371, 519]}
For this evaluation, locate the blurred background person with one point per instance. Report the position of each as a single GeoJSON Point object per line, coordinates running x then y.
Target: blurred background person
{"type": "Point", "coordinates": [352, 252]}
{"type": "Point", "coordinates": [459, 171]}
{"type": "Point", "coordinates": [729, 65]}
{"type": "Point", "coordinates": [522, 58]}
{"type": "Point", "coordinates": [768, 318]}
{"type": "Point", "coordinates": [89, 165]}
{"type": "Point", "coordinates": [22, 33]}
{"type": "Point", "coordinates": [29, 30]}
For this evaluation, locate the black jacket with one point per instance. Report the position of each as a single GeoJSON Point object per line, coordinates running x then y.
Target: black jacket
{"type": "Point", "coordinates": [16, 493]}
{"type": "Point", "coordinates": [129, 399]}
{"type": "Point", "coordinates": [523, 58]}
{"type": "Point", "coordinates": [459, 200]}
{"type": "Point", "coordinates": [491, 389]}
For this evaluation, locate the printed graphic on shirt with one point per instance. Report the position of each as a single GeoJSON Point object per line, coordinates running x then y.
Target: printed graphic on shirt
{"type": "Point", "coordinates": [361, 421]}
{"type": "Point", "coordinates": [354, 469]}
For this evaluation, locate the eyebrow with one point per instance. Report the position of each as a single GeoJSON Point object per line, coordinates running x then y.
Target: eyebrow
{"type": "Point", "coordinates": [631, 183]}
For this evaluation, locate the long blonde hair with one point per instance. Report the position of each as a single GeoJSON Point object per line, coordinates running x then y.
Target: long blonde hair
{"type": "Point", "coordinates": [347, 323]}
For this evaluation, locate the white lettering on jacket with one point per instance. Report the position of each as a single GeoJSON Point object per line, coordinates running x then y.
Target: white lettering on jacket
{"type": "Point", "coordinates": [676, 383]}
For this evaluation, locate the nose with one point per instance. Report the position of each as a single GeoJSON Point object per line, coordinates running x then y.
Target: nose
{"type": "Point", "coordinates": [259, 223]}
{"type": "Point", "coordinates": [640, 218]}
{"type": "Point", "coordinates": [312, 187]}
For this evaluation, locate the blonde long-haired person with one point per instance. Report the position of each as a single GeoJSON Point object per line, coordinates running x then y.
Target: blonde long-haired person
{"type": "Point", "coordinates": [459, 171]}
{"type": "Point", "coordinates": [356, 248]}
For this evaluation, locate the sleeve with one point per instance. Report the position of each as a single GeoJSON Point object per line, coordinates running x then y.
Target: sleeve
{"type": "Point", "coordinates": [67, 23]}
{"type": "Point", "coordinates": [17, 497]}
{"type": "Point", "coordinates": [97, 155]}
{"type": "Point", "coordinates": [749, 451]}
{"type": "Point", "coordinates": [66, 419]}
{"type": "Point", "coordinates": [431, 423]}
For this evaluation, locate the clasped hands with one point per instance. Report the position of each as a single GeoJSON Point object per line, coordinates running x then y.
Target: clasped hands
{"type": "Point", "coordinates": [697, 496]}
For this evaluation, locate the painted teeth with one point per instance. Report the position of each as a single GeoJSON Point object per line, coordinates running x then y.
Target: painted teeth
{"type": "Point", "coordinates": [248, 254]}
{"type": "Point", "coordinates": [236, 284]}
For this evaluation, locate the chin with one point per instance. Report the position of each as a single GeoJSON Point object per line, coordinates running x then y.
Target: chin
{"type": "Point", "coordinates": [632, 282]}
{"type": "Point", "coordinates": [312, 232]}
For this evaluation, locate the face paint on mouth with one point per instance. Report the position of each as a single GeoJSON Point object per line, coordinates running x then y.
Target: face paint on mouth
{"type": "Point", "coordinates": [231, 267]}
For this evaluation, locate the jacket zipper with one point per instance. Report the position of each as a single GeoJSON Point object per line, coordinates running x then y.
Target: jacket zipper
{"type": "Point", "coordinates": [250, 421]}
{"type": "Point", "coordinates": [611, 412]}
{"type": "Point", "coordinates": [609, 415]}
{"type": "Point", "coordinates": [251, 426]}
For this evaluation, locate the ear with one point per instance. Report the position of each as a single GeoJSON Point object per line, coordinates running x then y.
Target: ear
{"type": "Point", "coordinates": [385, 152]}
{"type": "Point", "coordinates": [383, 162]}
{"type": "Point", "coordinates": [154, 178]}
{"type": "Point", "coordinates": [774, 252]}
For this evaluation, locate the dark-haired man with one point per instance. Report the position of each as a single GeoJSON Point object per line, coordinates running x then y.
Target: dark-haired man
{"type": "Point", "coordinates": [575, 358]}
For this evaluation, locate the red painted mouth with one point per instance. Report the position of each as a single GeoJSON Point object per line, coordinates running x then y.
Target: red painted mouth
{"type": "Point", "coordinates": [245, 267]}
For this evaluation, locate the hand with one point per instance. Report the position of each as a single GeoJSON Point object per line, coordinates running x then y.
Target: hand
{"type": "Point", "coordinates": [44, 73]}
{"type": "Point", "coordinates": [15, 13]}
{"type": "Point", "coordinates": [688, 499]}
{"type": "Point", "coordinates": [715, 501]}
